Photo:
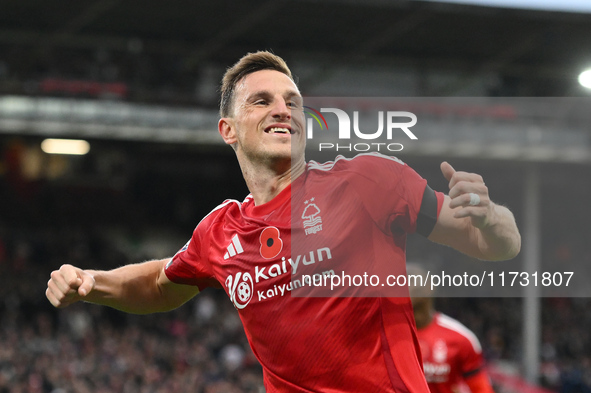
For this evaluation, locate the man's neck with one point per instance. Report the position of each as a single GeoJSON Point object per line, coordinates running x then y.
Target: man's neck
{"type": "Point", "coordinates": [265, 183]}
{"type": "Point", "coordinates": [425, 318]}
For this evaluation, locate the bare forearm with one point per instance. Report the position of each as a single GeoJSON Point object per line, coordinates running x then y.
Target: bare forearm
{"type": "Point", "coordinates": [500, 238]}
{"type": "Point", "coordinates": [139, 289]}
{"type": "Point", "coordinates": [495, 238]}
{"type": "Point", "coordinates": [131, 288]}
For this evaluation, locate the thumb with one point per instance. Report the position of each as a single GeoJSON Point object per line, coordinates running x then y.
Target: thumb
{"type": "Point", "coordinates": [87, 284]}
{"type": "Point", "coordinates": [447, 170]}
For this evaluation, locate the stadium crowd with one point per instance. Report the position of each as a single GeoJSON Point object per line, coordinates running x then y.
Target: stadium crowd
{"type": "Point", "coordinates": [201, 347]}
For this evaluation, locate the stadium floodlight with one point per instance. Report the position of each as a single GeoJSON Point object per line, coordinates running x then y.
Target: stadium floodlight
{"type": "Point", "coordinates": [65, 146]}
{"type": "Point", "coordinates": [585, 78]}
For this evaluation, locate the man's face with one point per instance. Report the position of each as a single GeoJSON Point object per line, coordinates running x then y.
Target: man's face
{"type": "Point", "coordinates": [268, 118]}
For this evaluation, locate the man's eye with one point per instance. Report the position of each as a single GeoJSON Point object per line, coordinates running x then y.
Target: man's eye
{"type": "Point", "coordinates": [260, 102]}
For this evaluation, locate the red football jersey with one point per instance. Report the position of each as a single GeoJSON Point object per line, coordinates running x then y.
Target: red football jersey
{"type": "Point", "coordinates": [348, 210]}
{"type": "Point", "coordinates": [451, 354]}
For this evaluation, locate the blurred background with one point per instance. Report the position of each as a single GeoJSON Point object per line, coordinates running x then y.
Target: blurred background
{"type": "Point", "coordinates": [136, 84]}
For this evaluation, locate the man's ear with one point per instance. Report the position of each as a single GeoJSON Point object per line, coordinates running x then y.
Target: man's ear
{"type": "Point", "coordinates": [227, 130]}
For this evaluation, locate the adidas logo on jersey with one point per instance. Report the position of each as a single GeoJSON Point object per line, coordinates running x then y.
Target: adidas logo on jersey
{"type": "Point", "coordinates": [234, 248]}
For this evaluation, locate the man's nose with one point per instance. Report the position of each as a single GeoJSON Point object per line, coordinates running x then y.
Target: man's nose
{"type": "Point", "coordinates": [281, 110]}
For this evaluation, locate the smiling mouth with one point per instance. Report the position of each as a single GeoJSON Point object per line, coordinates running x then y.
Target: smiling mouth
{"type": "Point", "coordinates": [279, 130]}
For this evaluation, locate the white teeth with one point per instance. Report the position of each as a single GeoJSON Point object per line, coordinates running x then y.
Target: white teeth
{"type": "Point", "coordinates": [279, 130]}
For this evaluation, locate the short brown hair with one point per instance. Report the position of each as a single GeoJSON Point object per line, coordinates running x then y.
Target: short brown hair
{"type": "Point", "coordinates": [251, 62]}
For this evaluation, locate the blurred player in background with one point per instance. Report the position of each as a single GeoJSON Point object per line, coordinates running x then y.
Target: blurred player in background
{"type": "Point", "coordinates": [306, 344]}
{"type": "Point", "coordinates": [452, 355]}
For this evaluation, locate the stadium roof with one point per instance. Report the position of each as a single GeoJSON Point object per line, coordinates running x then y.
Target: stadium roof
{"type": "Point", "coordinates": [547, 49]}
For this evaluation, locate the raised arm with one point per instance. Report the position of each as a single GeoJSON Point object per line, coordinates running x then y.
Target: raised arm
{"type": "Point", "coordinates": [141, 288]}
{"type": "Point", "coordinates": [471, 223]}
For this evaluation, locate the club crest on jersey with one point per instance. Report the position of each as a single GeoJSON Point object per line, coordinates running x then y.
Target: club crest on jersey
{"type": "Point", "coordinates": [439, 351]}
{"type": "Point", "coordinates": [240, 288]}
{"type": "Point", "coordinates": [271, 243]}
{"type": "Point", "coordinates": [311, 217]}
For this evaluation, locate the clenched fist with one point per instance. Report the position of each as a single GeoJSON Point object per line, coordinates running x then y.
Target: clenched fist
{"type": "Point", "coordinates": [68, 285]}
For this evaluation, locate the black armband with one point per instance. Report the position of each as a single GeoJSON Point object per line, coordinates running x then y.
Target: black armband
{"type": "Point", "coordinates": [428, 213]}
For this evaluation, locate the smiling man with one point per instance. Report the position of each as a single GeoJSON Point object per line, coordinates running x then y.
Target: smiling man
{"type": "Point", "coordinates": [258, 123]}
{"type": "Point", "coordinates": [306, 344]}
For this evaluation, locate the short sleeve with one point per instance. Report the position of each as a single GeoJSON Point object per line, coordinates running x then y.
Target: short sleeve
{"type": "Point", "coordinates": [188, 266]}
